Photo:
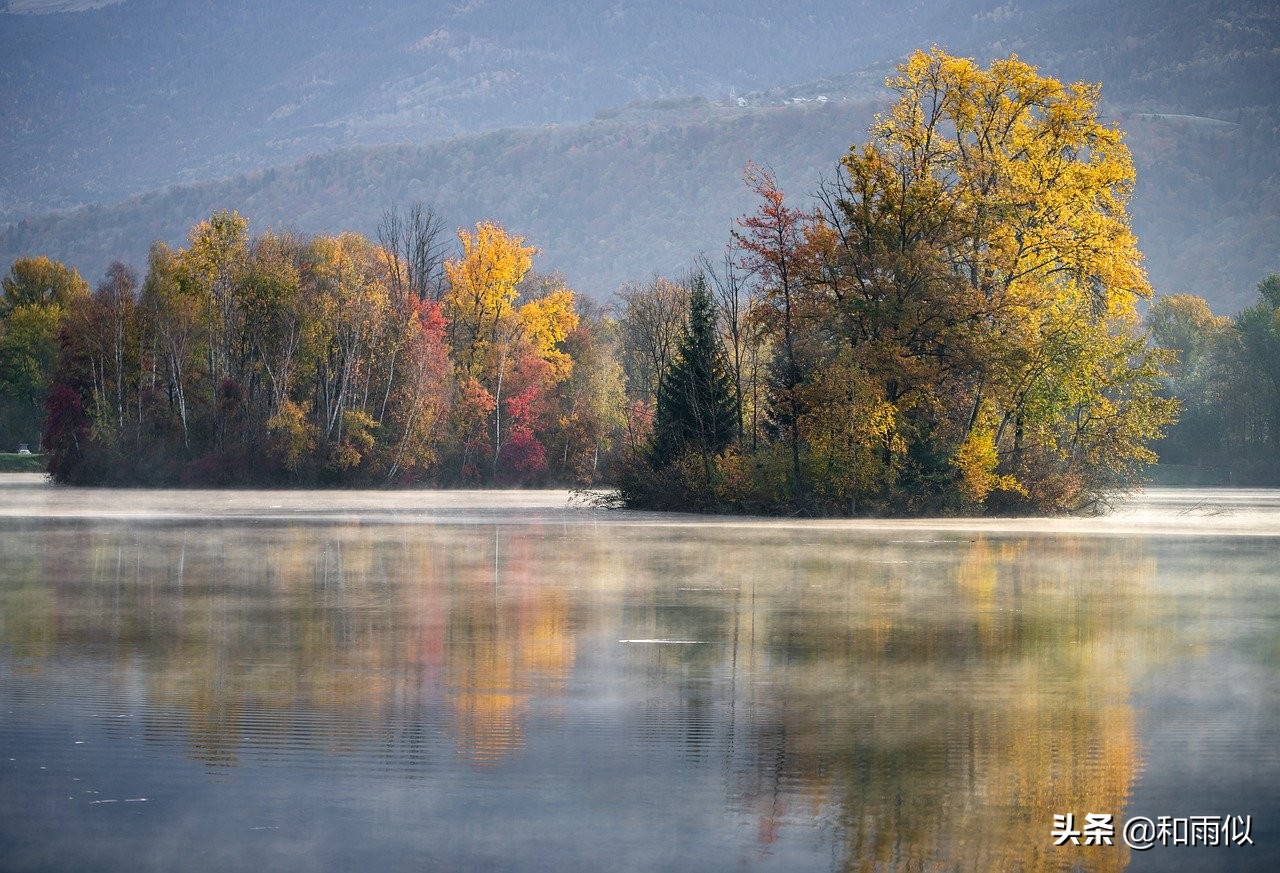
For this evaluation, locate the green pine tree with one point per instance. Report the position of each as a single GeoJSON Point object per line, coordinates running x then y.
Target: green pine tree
{"type": "Point", "coordinates": [696, 410]}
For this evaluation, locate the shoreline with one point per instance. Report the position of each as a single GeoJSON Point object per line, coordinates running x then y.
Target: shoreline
{"type": "Point", "coordinates": [1187, 512]}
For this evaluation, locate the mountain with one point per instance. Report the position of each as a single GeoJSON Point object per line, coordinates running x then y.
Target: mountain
{"type": "Point", "coordinates": [116, 100]}
{"type": "Point", "coordinates": [636, 191]}
{"type": "Point", "coordinates": [320, 115]}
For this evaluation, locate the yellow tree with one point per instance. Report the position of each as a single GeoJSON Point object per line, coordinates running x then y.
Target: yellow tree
{"type": "Point", "coordinates": [494, 338]}
{"type": "Point", "coordinates": [977, 255]}
{"type": "Point", "coordinates": [480, 301]}
{"type": "Point", "coordinates": [534, 355]}
{"type": "Point", "coordinates": [479, 305]}
{"type": "Point", "coordinates": [171, 315]}
{"type": "Point", "coordinates": [211, 267]}
{"type": "Point", "coordinates": [37, 295]}
{"type": "Point", "coordinates": [269, 297]}
{"type": "Point", "coordinates": [545, 323]}
{"type": "Point", "coordinates": [349, 301]}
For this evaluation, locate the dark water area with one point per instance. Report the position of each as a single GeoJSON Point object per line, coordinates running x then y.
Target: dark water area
{"type": "Point", "coordinates": [510, 681]}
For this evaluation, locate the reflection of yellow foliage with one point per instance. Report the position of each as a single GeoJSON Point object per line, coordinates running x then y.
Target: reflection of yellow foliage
{"type": "Point", "coordinates": [978, 582]}
{"type": "Point", "coordinates": [938, 702]}
{"type": "Point", "coordinates": [977, 574]}
{"type": "Point", "coordinates": [529, 650]}
{"type": "Point", "coordinates": [357, 622]}
{"type": "Point", "coordinates": [488, 706]}
{"type": "Point", "coordinates": [944, 748]}
{"type": "Point", "coordinates": [546, 647]}
{"type": "Point", "coordinates": [1078, 757]}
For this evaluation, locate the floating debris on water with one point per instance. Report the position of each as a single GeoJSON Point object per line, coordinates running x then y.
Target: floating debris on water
{"type": "Point", "coordinates": [670, 642]}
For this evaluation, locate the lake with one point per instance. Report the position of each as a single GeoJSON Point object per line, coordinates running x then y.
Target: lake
{"type": "Point", "coordinates": [293, 680]}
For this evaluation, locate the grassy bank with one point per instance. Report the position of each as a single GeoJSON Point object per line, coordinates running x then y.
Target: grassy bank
{"type": "Point", "coordinates": [12, 462]}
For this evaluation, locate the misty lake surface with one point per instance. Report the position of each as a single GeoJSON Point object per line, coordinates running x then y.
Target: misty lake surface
{"type": "Point", "coordinates": [254, 680]}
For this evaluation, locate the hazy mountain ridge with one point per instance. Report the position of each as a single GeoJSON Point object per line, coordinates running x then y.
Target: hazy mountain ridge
{"type": "Point", "coordinates": [44, 7]}
{"type": "Point", "coordinates": [647, 188]}
{"type": "Point", "coordinates": [125, 98]}
{"type": "Point", "coordinates": [1206, 205]}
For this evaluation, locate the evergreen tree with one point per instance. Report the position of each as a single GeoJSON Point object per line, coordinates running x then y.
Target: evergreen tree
{"type": "Point", "coordinates": [1258, 373]}
{"type": "Point", "coordinates": [696, 410]}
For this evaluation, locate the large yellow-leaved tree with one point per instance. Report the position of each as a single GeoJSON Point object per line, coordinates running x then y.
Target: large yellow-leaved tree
{"type": "Point", "coordinates": [974, 270]}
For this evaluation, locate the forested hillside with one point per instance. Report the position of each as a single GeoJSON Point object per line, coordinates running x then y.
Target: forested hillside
{"type": "Point", "coordinates": [118, 100]}
{"type": "Point", "coordinates": [141, 94]}
{"type": "Point", "coordinates": [647, 188]}
{"type": "Point", "coordinates": [639, 192]}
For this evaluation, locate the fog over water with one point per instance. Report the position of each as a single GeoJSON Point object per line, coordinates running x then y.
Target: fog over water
{"type": "Point", "coordinates": [1174, 511]}
{"type": "Point", "coordinates": [301, 680]}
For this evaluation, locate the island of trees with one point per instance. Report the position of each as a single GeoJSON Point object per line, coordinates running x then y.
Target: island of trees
{"type": "Point", "coordinates": [951, 326]}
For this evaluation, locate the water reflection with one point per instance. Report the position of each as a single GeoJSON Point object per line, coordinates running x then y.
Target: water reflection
{"type": "Point", "coordinates": [827, 697]}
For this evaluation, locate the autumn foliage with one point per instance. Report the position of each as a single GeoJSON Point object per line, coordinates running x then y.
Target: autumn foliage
{"type": "Point", "coordinates": [951, 326]}
{"type": "Point", "coordinates": [281, 359]}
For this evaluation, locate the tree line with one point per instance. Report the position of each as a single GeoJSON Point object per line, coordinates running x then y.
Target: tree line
{"type": "Point", "coordinates": [950, 326]}
{"type": "Point", "coordinates": [1227, 379]}
{"type": "Point", "coordinates": [316, 360]}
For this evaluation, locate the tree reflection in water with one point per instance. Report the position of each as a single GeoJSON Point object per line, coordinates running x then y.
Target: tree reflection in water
{"type": "Point", "coordinates": [920, 701]}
